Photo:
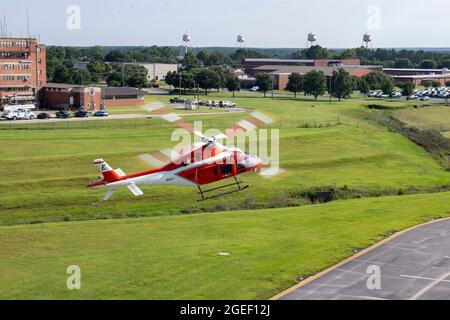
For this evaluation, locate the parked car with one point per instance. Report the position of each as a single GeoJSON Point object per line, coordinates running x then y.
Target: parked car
{"type": "Point", "coordinates": [101, 113]}
{"type": "Point", "coordinates": [177, 100]}
{"type": "Point", "coordinates": [255, 88]}
{"type": "Point", "coordinates": [227, 104]}
{"type": "Point", "coordinates": [81, 114]}
{"type": "Point", "coordinates": [43, 115]}
{"type": "Point", "coordinates": [63, 114]}
{"type": "Point", "coordinates": [424, 98]}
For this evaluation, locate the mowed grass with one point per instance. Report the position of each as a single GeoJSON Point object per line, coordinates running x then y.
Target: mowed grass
{"type": "Point", "coordinates": [44, 170]}
{"type": "Point", "coordinates": [177, 257]}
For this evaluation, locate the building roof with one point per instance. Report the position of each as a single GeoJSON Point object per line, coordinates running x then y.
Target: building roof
{"type": "Point", "coordinates": [328, 71]}
{"type": "Point", "coordinates": [278, 60]}
{"type": "Point", "coordinates": [117, 91]}
{"type": "Point", "coordinates": [423, 76]}
{"type": "Point", "coordinates": [415, 70]}
{"type": "Point", "coordinates": [62, 85]}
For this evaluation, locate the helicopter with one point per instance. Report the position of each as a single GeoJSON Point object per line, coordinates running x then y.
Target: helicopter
{"type": "Point", "coordinates": [202, 164]}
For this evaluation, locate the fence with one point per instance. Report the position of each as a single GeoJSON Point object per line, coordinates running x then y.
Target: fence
{"type": "Point", "coordinates": [159, 123]}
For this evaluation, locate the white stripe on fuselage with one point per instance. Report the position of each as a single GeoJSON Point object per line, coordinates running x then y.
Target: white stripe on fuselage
{"type": "Point", "coordinates": [169, 177]}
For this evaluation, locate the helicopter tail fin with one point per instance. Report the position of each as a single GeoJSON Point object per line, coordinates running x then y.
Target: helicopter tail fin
{"type": "Point", "coordinates": [109, 175]}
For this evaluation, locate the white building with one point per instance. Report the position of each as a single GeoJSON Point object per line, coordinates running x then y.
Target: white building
{"type": "Point", "coordinates": [158, 71]}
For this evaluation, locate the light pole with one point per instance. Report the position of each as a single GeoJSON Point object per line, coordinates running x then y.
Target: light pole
{"type": "Point", "coordinates": [330, 89]}
{"type": "Point", "coordinates": [273, 79]}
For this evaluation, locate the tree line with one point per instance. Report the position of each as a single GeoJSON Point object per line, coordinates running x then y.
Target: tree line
{"type": "Point", "coordinates": [389, 58]}
{"type": "Point", "coordinates": [206, 78]}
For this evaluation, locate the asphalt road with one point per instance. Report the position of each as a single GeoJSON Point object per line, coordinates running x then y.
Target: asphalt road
{"type": "Point", "coordinates": [413, 266]}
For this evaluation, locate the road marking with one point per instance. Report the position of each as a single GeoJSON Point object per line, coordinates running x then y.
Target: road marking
{"type": "Point", "coordinates": [422, 278]}
{"type": "Point", "coordinates": [371, 298]}
{"type": "Point", "coordinates": [447, 257]}
{"type": "Point", "coordinates": [428, 287]}
{"type": "Point", "coordinates": [360, 253]}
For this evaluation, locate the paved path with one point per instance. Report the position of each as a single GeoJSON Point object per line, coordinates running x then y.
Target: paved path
{"type": "Point", "coordinates": [413, 266]}
{"type": "Point", "coordinates": [117, 116]}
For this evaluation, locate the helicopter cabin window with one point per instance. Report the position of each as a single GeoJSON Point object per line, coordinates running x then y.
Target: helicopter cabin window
{"type": "Point", "coordinates": [226, 169]}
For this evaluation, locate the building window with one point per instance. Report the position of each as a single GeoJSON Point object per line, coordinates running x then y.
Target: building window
{"type": "Point", "coordinates": [8, 78]}
{"type": "Point", "coordinates": [21, 44]}
{"type": "Point", "coordinates": [24, 66]}
{"type": "Point", "coordinates": [8, 67]}
{"type": "Point", "coordinates": [22, 78]}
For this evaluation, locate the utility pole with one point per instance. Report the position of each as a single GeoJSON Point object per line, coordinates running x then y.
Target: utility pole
{"type": "Point", "coordinates": [330, 89]}
{"type": "Point", "coordinates": [179, 87]}
{"type": "Point", "coordinates": [273, 79]}
{"type": "Point", "coordinates": [123, 74]}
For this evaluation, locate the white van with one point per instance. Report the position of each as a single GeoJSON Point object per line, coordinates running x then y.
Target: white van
{"type": "Point", "coordinates": [16, 112]}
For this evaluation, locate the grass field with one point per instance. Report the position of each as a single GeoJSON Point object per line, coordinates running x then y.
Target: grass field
{"type": "Point", "coordinates": [47, 168]}
{"type": "Point", "coordinates": [170, 254]}
{"type": "Point", "coordinates": [436, 117]}
{"type": "Point", "coordinates": [177, 257]}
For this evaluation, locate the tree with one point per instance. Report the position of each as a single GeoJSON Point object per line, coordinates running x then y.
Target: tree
{"type": "Point", "coordinates": [97, 70]}
{"type": "Point", "coordinates": [207, 79]}
{"type": "Point", "coordinates": [187, 80]}
{"type": "Point", "coordinates": [95, 53]}
{"type": "Point", "coordinates": [375, 79]}
{"type": "Point", "coordinates": [447, 83]}
{"type": "Point", "coordinates": [315, 83]}
{"type": "Point", "coordinates": [61, 74]}
{"type": "Point", "coordinates": [233, 84]}
{"type": "Point", "coordinates": [407, 88]}
{"type": "Point", "coordinates": [445, 63]}
{"type": "Point", "coordinates": [117, 56]}
{"type": "Point", "coordinates": [190, 61]}
{"type": "Point", "coordinates": [388, 86]}
{"type": "Point", "coordinates": [313, 52]}
{"type": "Point", "coordinates": [403, 63]}
{"type": "Point", "coordinates": [364, 87]}
{"type": "Point", "coordinates": [295, 83]}
{"type": "Point", "coordinates": [341, 84]}
{"type": "Point", "coordinates": [114, 79]}
{"type": "Point", "coordinates": [203, 56]}
{"type": "Point", "coordinates": [264, 82]}
{"type": "Point", "coordinates": [427, 64]}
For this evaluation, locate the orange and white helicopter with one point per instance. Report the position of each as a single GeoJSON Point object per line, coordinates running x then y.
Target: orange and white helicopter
{"type": "Point", "coordinates": [204, 163]}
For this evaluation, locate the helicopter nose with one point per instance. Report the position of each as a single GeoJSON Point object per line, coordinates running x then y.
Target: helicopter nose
{"type": "Point", "coordinates": [253, 161]}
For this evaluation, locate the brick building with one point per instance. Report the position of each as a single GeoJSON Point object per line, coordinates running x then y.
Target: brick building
{"type": "Point", "coordinates": [22, 69]}
{"type": "Point", "coordinates": [63, 96]}
{"type": "Point", "coordinates": [418, 76]}
{"type": "Point", "coordinates": [250, 64]}
{"type": "Point", "coordinates": [281, 73]}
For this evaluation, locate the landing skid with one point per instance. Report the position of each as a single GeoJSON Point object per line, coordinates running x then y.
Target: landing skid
{"type": "Point", "coordinates": [236, 183]}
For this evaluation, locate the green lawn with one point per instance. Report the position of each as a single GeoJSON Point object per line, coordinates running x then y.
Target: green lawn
{"type": "Point", "coordinates": [177, 257]}
{"type": "Point", "coordinates": [45, 169]}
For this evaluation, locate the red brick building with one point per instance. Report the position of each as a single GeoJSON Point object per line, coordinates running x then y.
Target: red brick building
{"type": "Point", "coordinates": [419, 76]}
{"type": "Point", "coordinates": [63, 96]}
{"type": "Point", "coordinates": [251, 64]}
{"type": "Point", "coordinates": [22, 68]}
{"type": "Point", "coordinates": [281, 73]}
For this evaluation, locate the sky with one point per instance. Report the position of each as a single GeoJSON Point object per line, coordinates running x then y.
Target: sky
{"type": "Point", "coordinates": [264, 23]}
